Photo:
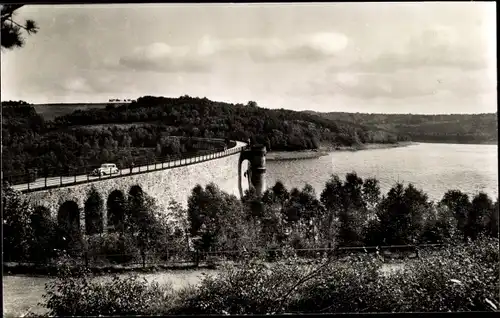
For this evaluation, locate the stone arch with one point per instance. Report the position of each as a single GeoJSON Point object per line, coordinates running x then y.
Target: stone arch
{"type": "Point", "coordinates": [43, 227]}
{"type": "Point", "coordinates": [93, 210]}
{"type": "Point", "coordinates": [68, 221]}
{"type": "Point", "coordinates": [116, 206]}
{"type": "Point", "coordinates": [136, 191]}
{"type": "Point", "coordinates": [68, 216]}
{"type": "Point", "coordinates": [135, 202]}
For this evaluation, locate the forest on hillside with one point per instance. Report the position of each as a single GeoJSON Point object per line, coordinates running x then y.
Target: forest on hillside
{"type": "Point", "coordinates": [141, 131]}
{"type": "Point", "coordinates": [278, 129]}
{"type": "Point", "coordinates": [452, 128]}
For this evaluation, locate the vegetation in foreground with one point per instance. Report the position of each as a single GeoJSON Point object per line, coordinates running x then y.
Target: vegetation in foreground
{"type": "Point", "coordinates": [461, 278]}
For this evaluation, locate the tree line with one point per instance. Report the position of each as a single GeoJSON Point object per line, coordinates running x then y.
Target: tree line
{"type": "Point", "coordinates": [452, 128]}
{"type": "Point", "coordinates": [278, 129]}
{"type": "Point", "coordinates": [350, 212]}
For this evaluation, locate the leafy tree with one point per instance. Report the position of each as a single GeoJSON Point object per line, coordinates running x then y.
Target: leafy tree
{"type": "Point", "coordinates": [440, 226]}
{"type": "Point", "coordinates": [402, 214]}
{"type": "Point", "coordinates": [215, 218]}
{"type": "Point", "coordinates": [332, 194]}
{"type": "Point", "coordinates": [493, 221]}
{"type": "Point", "coordinates": [459, 204]}
{"type": "Point", "coordinates": [480, 208]}
{"type": "Point", "coordinates": [16, 214]}
{"type": "Point", "coordinates": [332, 200]}
{"type": "Point", "coordinates": [11, 36]}
{"type": "Point", "coordinates": [371, 192]}
{"type": "Point", "coordinates": [352, 213]}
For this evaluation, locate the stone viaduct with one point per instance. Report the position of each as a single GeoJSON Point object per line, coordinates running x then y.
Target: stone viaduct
{"type": "Point", "coordinates": [174, 182]}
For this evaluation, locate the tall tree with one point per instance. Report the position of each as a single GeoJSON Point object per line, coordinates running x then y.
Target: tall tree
{"type": "Point", "coordinates": [459, 204]}
{"type": "Point", "coordinates": [481, 208]}
{"type": "Point", "coordinates": [352, 214]}
{"type": "Point", "coordinates": [402, 214]}
{"type": "Point", "coordinates": [16, 219]}
{"type": "Point", "coordinates": [12, 31]}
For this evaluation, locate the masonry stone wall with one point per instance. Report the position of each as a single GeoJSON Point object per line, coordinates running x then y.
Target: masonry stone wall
{"type": "Point", "coordinates": [164, 185]}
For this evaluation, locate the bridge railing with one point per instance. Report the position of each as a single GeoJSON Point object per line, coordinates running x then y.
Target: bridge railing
{"type": "Point", "coordinates": [27, 183]}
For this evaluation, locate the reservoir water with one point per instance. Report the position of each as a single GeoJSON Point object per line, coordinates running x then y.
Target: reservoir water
{"type": "Point", "coordinates": [435, 168]}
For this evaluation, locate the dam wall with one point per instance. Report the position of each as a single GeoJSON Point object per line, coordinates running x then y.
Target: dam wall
{"type": "Point", "coordinates": [164, 185]}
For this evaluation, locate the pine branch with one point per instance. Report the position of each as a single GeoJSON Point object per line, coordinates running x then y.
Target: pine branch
{"type": "Point", "coordinates": [30, 27]}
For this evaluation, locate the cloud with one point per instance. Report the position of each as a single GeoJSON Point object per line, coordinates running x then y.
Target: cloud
{"type": "Point", "coordinates": [204, 55]}
{"type": "Point", "coordinates": [305, 47]}
{"type": "Point", "coordinates": [161, 57]}
{"type": "Point", "coordinates": [77, 84]}
{"type": "Point", "coordinates": [439, 46]}
{"type": "Point", "coordinates": [402, 84]}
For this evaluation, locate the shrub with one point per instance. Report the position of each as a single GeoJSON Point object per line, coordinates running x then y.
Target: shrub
{"type": "Point", "coordinates": [254, 288]}
{"type": "Point", "coordinates": [462, 278]}
{"type": "Point", "coordinates": [111, 247]}
{"type": "Point", "coordinates": [84, 295]}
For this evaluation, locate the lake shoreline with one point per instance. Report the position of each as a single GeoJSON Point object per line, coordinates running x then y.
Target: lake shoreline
{"type": "Point", "coordinates": [326, 150]}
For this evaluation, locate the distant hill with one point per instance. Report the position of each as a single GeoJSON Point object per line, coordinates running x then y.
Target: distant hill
{"type": "Point", "coordinates": [453, 128]}
{"type": "Point", "coordinates": [278, 129]}
{"type": "Point", "coordinates": [51, 111]}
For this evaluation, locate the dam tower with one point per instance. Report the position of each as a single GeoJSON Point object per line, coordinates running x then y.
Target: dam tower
{"type": "Point", "coordinates": [256, 173]}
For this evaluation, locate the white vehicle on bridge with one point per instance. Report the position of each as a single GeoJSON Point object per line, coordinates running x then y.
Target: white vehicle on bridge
{"type": "Point", "coordinates": [105, 169]}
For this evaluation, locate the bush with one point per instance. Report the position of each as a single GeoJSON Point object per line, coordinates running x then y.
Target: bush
{"type": "Point", "coordinates": [112, 247]}
{"type": "Point", "coordinates": [254, 288]}
{"type": "Point", "coordinates": [84, 295]}
{"type": "Point", "coordinates": [461, 278]}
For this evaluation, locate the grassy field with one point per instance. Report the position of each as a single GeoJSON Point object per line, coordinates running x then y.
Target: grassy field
{"type": "Point", "coordinates": [51, 111]}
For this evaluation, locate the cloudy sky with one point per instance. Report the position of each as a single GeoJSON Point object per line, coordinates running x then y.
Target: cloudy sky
{"type": "Point", "coordinates": [354, 57]}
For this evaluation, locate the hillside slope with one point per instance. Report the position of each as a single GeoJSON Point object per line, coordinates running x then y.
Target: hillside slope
{"type": "Point", "coordinates": [453, 128]}
{"type": "Point", "coordinates": [277, 129]}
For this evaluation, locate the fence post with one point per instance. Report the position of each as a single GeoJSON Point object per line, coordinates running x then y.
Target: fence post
{"type": "Point", "coordinates": [60, 180]}
{"type": "Point", "coordinates": [155, 165]}
{"type": "Point", "coordinates": [45, 181]}
{"type": "Point", "coordinates": [75, 177]}
{"type": "Point", "coordinates": [28, 182]}
{"type": "Point", "coordinates": [143, 254]}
